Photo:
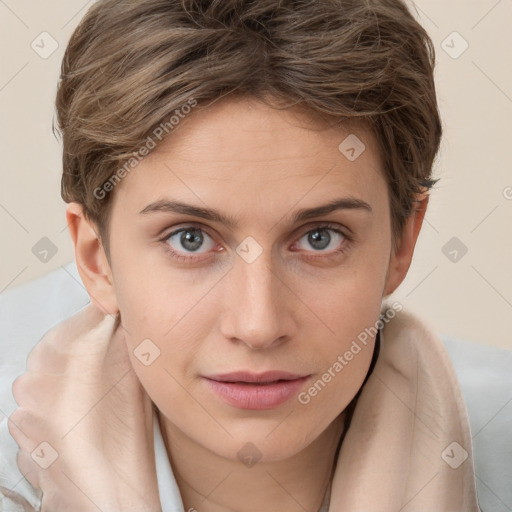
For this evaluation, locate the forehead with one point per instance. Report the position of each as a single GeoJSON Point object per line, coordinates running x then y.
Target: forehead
{"type": "Point", "coordinates": [240, 149]}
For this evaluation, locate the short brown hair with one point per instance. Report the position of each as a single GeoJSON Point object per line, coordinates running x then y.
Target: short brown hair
{"type": "Point", "coordinates": [131, 63]}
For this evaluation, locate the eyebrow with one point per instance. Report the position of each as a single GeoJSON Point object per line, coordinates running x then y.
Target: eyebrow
{"type": "Point", "coordinates": [344, 203]}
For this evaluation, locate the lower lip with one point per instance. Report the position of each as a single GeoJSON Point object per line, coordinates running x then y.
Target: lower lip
{"type": "Point", "coordinates": [257, 396]}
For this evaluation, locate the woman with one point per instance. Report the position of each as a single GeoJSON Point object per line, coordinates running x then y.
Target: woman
{"type": "Point", "coordinates": [246, 184]}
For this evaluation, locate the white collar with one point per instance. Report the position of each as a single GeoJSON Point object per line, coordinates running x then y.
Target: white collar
{"type": "Point", "coordinates": [170, 497]}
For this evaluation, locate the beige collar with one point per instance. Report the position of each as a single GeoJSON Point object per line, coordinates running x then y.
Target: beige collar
{"type": "Point", "coordinates": [409, 437]}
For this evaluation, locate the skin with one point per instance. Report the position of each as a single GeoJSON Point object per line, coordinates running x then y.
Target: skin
{"type": "Point", "coordinates": [294, 308]}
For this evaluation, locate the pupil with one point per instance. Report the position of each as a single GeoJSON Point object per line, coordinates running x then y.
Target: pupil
{"type": "Point", "coordinates": [191, 239]}
{"type": "Point", "coordinates": [318, 240]}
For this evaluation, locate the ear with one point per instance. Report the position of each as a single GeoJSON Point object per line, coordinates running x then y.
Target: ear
{"type": "Point", "coordinates": [91, 260]}
{"type": "Point", "coordinates": [401, 259]}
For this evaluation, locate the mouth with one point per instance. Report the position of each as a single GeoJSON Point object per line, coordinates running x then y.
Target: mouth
{"type": "Point", "coordinates": [269, 377]}
{"type": "Point", "coordinates": [246, 390]}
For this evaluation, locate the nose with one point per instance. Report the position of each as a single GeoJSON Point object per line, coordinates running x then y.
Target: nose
{"type": "Point", "coordinates": [258, 306]}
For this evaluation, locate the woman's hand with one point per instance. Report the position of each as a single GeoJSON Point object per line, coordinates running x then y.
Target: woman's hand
{"type": "Point", "coordinates": [85, 424]}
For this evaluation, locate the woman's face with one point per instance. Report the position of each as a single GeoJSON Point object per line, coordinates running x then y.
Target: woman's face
{"type": "Point", "coordinates": [250, 282]}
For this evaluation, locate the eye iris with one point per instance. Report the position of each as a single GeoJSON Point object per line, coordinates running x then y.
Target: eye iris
{"type": "Point", "coordinates": [319, 239]}
{"type": "Point", "coordinates": [193, 237]}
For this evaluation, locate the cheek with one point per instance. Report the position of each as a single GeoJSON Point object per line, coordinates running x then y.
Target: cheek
{"type": "Point", "coordinates": [349, 309]}
{"type": "Point", "coordinates": [344, 357]}
{"type": "Point", "coordinates": [351, 301]}
{"type": "Point", "coordinates": [151, 305]}
{"type": "Point", "coordinates": [164, 328]}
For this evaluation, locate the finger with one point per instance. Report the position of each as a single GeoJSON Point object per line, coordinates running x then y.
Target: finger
{"type": "Point", "coordinates": [35, 390]}
{"type": "Point", "coordinates": [16, 425]}
{"type": "Point", "coordinates": [47, 358]}
{"type": "Point", "coordinates": [28, 468]}
{"type": "Point", "coordinates": [28, 430]}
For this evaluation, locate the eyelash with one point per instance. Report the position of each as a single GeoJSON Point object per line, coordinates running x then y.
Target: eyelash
{"type": "Point", "coordinates": [345, 245]}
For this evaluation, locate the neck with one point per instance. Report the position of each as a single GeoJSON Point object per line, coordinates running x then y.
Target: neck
{"type": "Point", "coordinates": [211, 483]}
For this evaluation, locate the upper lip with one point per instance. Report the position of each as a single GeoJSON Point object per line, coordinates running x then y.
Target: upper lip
{"type": "Point", "coordinates": [270, 376]}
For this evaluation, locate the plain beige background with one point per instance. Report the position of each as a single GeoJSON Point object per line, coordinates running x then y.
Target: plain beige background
{"type": "Point", "coordinates": [461, 278]}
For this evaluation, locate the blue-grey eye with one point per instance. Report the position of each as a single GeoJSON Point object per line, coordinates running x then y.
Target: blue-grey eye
{"type": "Point", "coordinates": [189, 240]}
{"type": "Point", "coordinates": [322, 238]}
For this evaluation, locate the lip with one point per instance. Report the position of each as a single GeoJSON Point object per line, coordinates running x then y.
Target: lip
{"type": "Point", "coordinates": [242, 376]}
{"type": "Point", "coordinates": [246, 390]}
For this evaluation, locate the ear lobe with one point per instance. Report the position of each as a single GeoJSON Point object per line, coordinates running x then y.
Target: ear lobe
{"type": "Point", "coordinates": [91, 260]}
{"type": "Point", "coordinates": [401, 260]}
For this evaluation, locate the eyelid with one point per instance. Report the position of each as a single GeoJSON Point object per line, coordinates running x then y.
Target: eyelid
{"type": "Point", "coordinates": [168, 232]}
{"type": "Point", "coordinates": [340, 228]}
